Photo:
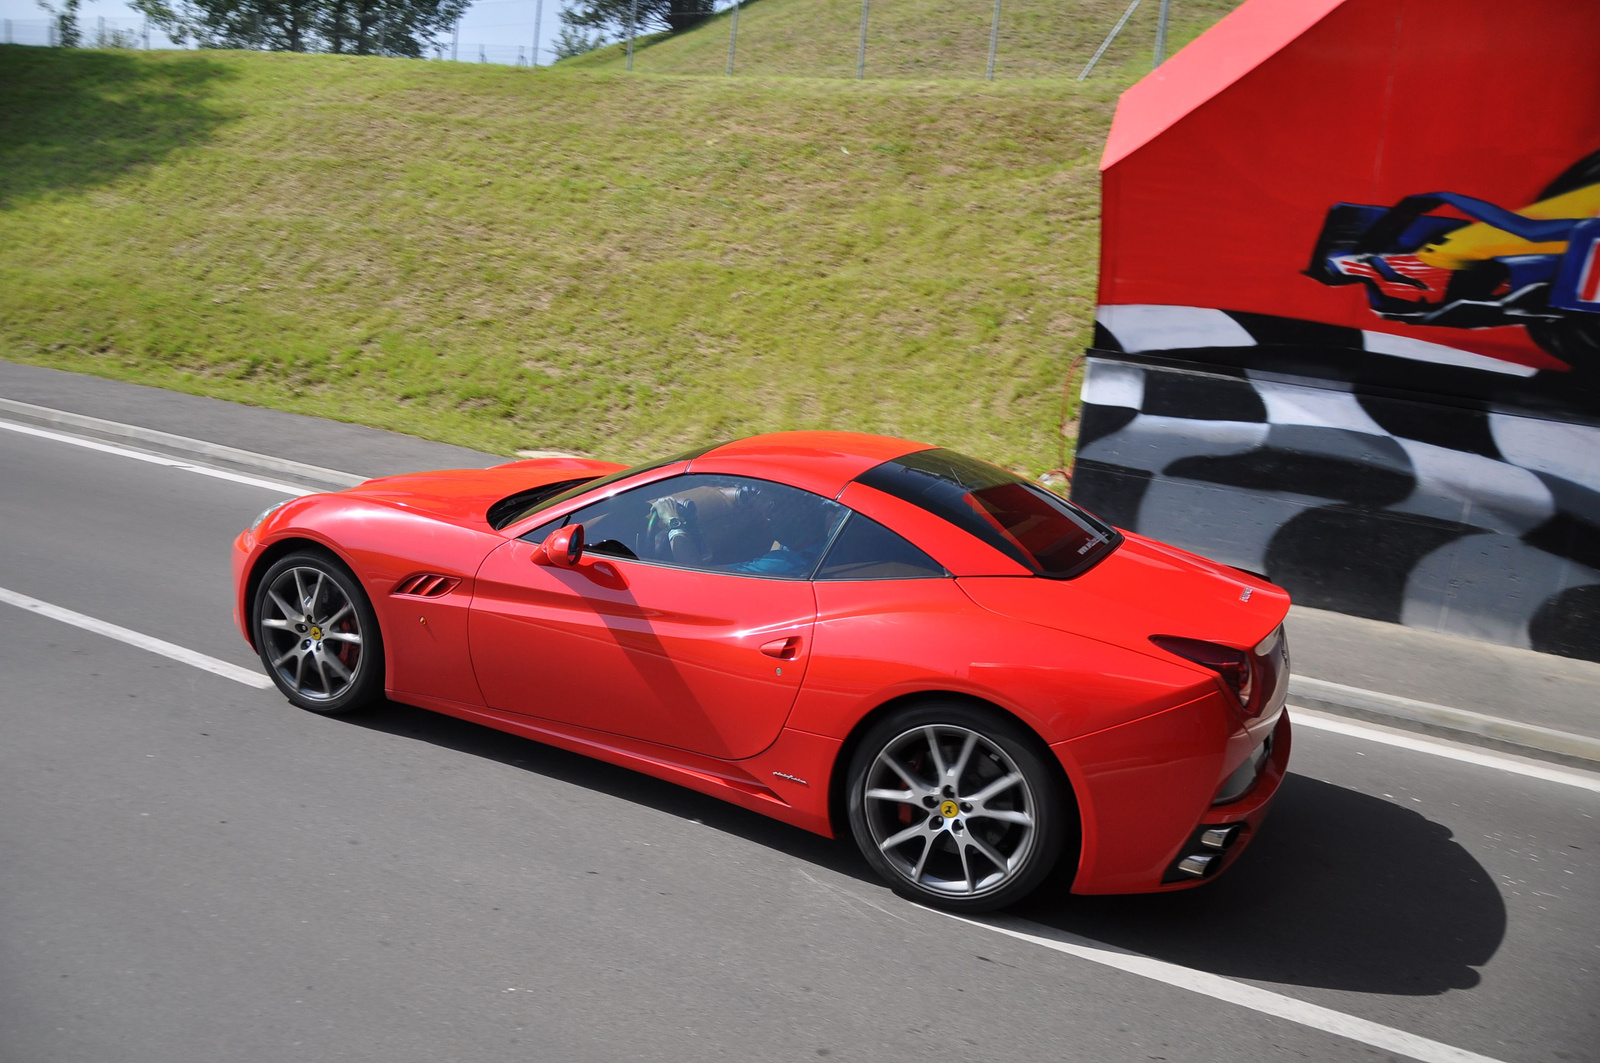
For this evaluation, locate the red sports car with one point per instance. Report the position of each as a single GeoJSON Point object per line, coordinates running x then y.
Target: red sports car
{"type": "Point", "coordinates": [972, 676]}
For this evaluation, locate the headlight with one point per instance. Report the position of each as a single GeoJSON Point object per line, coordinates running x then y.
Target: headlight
{"type": "Point", "coordinates": [265, 513]}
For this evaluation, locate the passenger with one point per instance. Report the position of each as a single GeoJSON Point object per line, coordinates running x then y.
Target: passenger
{"type": "Point", "coordinates": [805, 527]}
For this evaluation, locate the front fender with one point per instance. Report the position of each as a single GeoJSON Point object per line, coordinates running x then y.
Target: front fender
{"type": "Point", "coordinates": [425, 639]}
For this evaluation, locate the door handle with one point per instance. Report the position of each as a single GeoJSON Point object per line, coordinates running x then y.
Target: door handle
{"type": "Point", "coordinates": [783, 649]}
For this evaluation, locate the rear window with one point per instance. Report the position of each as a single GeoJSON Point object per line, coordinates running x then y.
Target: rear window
{"type": "Point", "coordinates": [1022, 520]}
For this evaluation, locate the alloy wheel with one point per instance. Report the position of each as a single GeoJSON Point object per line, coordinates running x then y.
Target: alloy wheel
{"type": "Point", "coordinates": [950, 811]}
{"type": "Point", "coordinates": [312, 633]}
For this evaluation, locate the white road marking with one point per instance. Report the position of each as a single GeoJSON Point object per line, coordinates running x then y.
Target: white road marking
{"type": "Point", "coordinates": [134, 638]}
{"type": "Point", "coordinates": [1339, 700]}
{"type": "Point", "coordinates": [154, 459]}
{"type": "Point", "coordinates": [1437, 747]}
{"type": "Point", "coordinates": [1385, 1038]}
{"type": "Point", "coordinates": [166, 442]}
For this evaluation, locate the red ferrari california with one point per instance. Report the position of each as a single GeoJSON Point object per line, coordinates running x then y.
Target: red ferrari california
{"type": "Point", "coordinates": [972, 676]}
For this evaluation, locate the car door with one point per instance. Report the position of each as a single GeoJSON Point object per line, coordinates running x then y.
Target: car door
{"type": "Point", "coordinates": [686, 623]}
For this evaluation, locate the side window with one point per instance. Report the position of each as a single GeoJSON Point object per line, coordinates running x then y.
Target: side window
{"type": "Point", "coordinates": [713, 523]}
{"type": "Point", "coordinates": [542, 532]}
{"type": "Point", "coordinates": [868, 550]}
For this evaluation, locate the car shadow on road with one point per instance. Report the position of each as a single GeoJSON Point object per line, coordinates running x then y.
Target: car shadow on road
{"type": "Point", "coordinates": [622, 783]}
{"type": "Point", "coordinates": [1340, 891]}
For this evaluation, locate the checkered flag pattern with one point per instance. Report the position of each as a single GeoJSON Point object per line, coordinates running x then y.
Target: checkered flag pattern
{"type": "Point", "coordinates": [1459, 518]}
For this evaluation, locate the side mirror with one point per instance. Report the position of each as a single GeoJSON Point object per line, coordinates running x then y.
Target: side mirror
{"type": "Point", "coordinates": [562, 548]}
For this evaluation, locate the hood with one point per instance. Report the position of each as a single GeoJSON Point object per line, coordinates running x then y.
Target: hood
{"type": "Point", "coordinates": [463, 496]}
{"type": "Point", "coordinates": [1143, 588]}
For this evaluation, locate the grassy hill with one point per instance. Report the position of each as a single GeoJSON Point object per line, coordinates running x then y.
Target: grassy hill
{"type": "Point", "coordinates": [919, 39]}
{"type": "Point", "coordinates": [566, 259]}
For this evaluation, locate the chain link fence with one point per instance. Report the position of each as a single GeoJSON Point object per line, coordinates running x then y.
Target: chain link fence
{"type": "Point", "coordinates": [139, 34]}
{"type": "Point", "coordinates": [914, 38]}
{"type": "Point", "coordinates": [831, 38]}
{"type": "Point", "coordinates": [92, 33]}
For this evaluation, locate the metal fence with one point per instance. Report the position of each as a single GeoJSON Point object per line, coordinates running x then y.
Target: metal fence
{"type": "Point", "coordinates": [139, 34]}
{"type": "Point", "coordinates": [92, 33]}
{"type": "Point", "coordinates": [987, 47]}
{"type": "Point", "coordinates": [955, 38]}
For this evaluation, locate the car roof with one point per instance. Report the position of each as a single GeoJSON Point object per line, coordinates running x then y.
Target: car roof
{"type": "Point", "coordinates": [823, 462]}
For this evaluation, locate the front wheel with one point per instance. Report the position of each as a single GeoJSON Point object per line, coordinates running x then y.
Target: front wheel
{"type": "Point", "coordinates": [317, 635]}
{"type": "Point", "coordinates": [953, 806]}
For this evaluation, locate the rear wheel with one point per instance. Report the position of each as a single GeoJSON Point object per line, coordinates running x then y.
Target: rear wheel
{"type": "Point", "coordinates": [317, 635]}
{"type": "Point", "coordinates": [954, 807]}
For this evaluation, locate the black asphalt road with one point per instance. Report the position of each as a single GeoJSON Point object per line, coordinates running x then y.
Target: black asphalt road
{"type": "Point", "coordinates": [190, 869]}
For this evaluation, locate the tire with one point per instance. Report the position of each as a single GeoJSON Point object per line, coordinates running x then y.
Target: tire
{"type": "Point", "coordinates": [943, 827]}
{"type": "Point", "coordinates": [317, 634]}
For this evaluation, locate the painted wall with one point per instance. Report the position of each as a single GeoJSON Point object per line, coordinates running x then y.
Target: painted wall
{"type": "Point", "coordinates": [1349, 332]}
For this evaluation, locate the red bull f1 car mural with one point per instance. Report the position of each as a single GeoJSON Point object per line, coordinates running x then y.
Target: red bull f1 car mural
{"type": "Point", "coordinates": [1538, 266]}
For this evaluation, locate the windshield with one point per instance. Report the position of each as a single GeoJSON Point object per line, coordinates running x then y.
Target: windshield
{"type": "Point", "coordinates": [525, 504]}
{"type": "Point", "coordinates": [1022, 520]}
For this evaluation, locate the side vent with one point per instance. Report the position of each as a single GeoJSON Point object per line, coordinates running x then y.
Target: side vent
{"type": "Point", "coordinates": [426, 585]}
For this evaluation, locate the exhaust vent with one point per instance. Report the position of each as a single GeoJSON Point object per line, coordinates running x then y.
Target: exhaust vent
{"type": "Point", "coordinates": [1205, 853]}
{"type": "Point", "coordinates": [426, 585]}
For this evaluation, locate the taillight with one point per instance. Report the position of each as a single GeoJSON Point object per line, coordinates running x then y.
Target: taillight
{"type": "Point", "coordinates": [1231, 664]}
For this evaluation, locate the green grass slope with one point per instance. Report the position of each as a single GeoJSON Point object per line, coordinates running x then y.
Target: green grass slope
{"type": "Point", "coordinates": [571, 260]}
{"type": "Point", "coordinates": [919, 39]}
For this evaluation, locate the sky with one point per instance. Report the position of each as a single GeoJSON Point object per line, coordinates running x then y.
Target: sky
{"type": "Point", "coordinates": [498, 27]}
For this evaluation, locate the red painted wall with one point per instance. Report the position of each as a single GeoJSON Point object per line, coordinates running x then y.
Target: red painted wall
{"type": "Point", "coordinates": [1222, 165]}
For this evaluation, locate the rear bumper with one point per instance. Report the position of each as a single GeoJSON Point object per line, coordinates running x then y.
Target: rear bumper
{"type": "Point", "coordinates": [1145, 790]}
{"type": "Point", "coordinates": [1238, 819]}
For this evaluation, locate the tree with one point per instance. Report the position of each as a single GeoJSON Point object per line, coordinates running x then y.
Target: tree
{"type": "Point", "coordinates": [359, 27]}
{"type": "Point", "coordinates": [608, 19]}
{"type": "Point", "coordinates": [571, 41]}
{"type": "Point", "coordinates": [66, 22]}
